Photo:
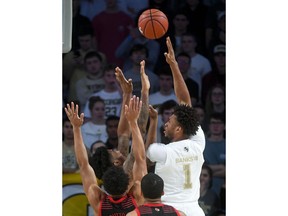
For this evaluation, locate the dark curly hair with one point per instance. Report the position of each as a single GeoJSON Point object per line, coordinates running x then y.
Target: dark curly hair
{"type": "Point", "coordinates": [100, 161]}
{"type": "Point", "coordinates": [187, 118]}
{"type": "Point", "coordinates": [115, 181]}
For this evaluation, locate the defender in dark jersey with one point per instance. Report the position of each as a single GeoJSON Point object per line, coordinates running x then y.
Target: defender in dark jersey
{"type": "Point", "coordinates": [152, 187]}
{"type": "Point", "coordinates": [119, 194]}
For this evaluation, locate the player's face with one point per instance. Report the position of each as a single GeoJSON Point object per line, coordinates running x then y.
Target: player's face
{"type": "Point", "coordinates": [170, 127]}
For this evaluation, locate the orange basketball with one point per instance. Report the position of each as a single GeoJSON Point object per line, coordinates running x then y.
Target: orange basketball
{"type": "Point", "coordinates": [153, 23]}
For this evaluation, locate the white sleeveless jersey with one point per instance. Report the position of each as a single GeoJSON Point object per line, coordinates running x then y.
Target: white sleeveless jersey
{"type": "Point", "coordinates": [181, 171]}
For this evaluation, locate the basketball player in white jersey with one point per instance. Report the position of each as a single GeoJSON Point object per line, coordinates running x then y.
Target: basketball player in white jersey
{"type": "Point", "coordinates": [179, 163]}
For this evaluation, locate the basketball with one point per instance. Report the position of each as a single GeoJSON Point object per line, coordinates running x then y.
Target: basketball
{"type": "Point", "coordinates": [153, 24]}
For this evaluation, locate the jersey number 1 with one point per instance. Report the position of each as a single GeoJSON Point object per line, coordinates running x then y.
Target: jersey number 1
{"type": "Point", "coordinates": [187, 174]}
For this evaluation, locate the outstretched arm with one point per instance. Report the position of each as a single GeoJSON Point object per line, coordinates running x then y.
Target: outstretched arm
{"type": "Point", "coordinates": [152, 131]}
{"type": "Point", "coordinates": [86, 171]}
{"type": "Point", "coordinates": [143, 116]}
{"type": "Point", "coordinates": [132, 114]}
{"type": "Point", "coordinates": [123, 130]}
{"type": "Point", "coordinates": [181, 90]}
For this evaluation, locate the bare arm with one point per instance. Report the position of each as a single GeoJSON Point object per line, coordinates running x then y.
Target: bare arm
{"type": "Point", "coordinates": [152, 131]}
{"type": "Point", "coordinates": [123, 130]}
{"type": "Point", "coordinates": [181, 90]}
{"type": "Point", "coordinates": [132, 114]}
{"type": "Point", "coordinates": [143, 117]}
{"type": "Point", "coordinates": [86, 171]}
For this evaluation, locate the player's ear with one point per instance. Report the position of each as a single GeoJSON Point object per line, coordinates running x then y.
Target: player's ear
{"type": "Point", "coordinates": [178, 128]}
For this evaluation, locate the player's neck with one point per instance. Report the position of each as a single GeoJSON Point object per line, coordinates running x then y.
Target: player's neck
{"type": "Point", "coordinates": [148, 201]}
{"type": "Point", "coordinates": [179, 138]}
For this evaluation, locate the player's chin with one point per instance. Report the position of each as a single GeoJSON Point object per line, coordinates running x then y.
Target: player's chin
{"type": "Point", "coordinates": [165, 133]}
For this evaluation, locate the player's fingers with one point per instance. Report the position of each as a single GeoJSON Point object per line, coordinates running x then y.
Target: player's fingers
{"type": "Point", "coordinates": [77, 108]}
{"type": "Point", "coordinates": [72, 107]}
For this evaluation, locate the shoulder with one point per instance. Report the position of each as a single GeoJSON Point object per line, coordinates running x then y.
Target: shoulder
{"type": "Point", "coordinates": [132, 213]}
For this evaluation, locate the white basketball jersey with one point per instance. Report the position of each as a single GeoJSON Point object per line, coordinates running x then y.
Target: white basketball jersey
{"type": "Point", "coordinates": [181, 173]}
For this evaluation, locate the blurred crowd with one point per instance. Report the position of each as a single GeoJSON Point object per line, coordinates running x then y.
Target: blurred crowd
{"type": "Point", "coordinates": [105, 35]}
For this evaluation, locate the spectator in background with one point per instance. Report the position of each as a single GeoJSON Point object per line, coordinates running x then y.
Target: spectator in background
{"type": "Point", "coordinates": [133, 7]}
{"type": "Point", "coordinates": [209, 200]}
{"type": "Point", "coordinates": [93, 80]}
{"type": "Point", "coordinates": [167, 8]}
{"type": "Point", "coordinates": [184, 62]}
{"type": "Point", "coordinates": [73, 62]}
{"type": "Point", "coordinates": [95, 129]}
{"type": "Point", "coordinates": [80, 23]}
{"type": "Point", "coordinates": [91, 8]}
{"type": "Point", "coordinates": [111, 27]}
{"type": "Point", "coordinates": [202, 117]}
{"type": "Point", "coordinates": [135, 37]}
{"type": "Point", "coordinates": [111, 128]}
{"type": "Point", "coordinates": [138, 53]}
{"type": "Point", "coordinates": [164, 5]}
{"type": "Point", "coordinates": [110, 94]}
{"type": "Point", "coordinates": [179, 26]}
{"type": "Point", "coordinates": [212, 22]}
{"type": "Point", "coordinates": [219, 33]}
{"type": "Point", "coordinates": [81, 72]}
{"type": "Point", "coordinates": [197, 14]}
{"type": "Point", "coordinates": [166, 109]}
{"type": "Point", "coordinates": [215, 101]}
{"type": "Point", "coordinates": [215, 150]}
{"type": "Point", "coordinates": [218, 73]}
{"type": "Point", "coordinates": [200, 65]}
{"type": "Point", "coordinates": [97, 144]}
{"type": "Point", "coordinates": [166, 91]}
{"type": "Point", "coordinates": [69, 163]}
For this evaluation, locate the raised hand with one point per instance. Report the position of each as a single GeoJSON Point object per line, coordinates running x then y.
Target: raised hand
{"type": "Point", "coordinates": [153, 113]}
{"type": "Point", "coordinates": [132, 112]}
{"type": "Point", "coordinates": [72, 114]}
{"type": "Point", "coordinates": [144, 78]}
{"type": "Point", "coordinates": [126, 85]}
{"type": "Point", "coordinates": [170, 56]}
